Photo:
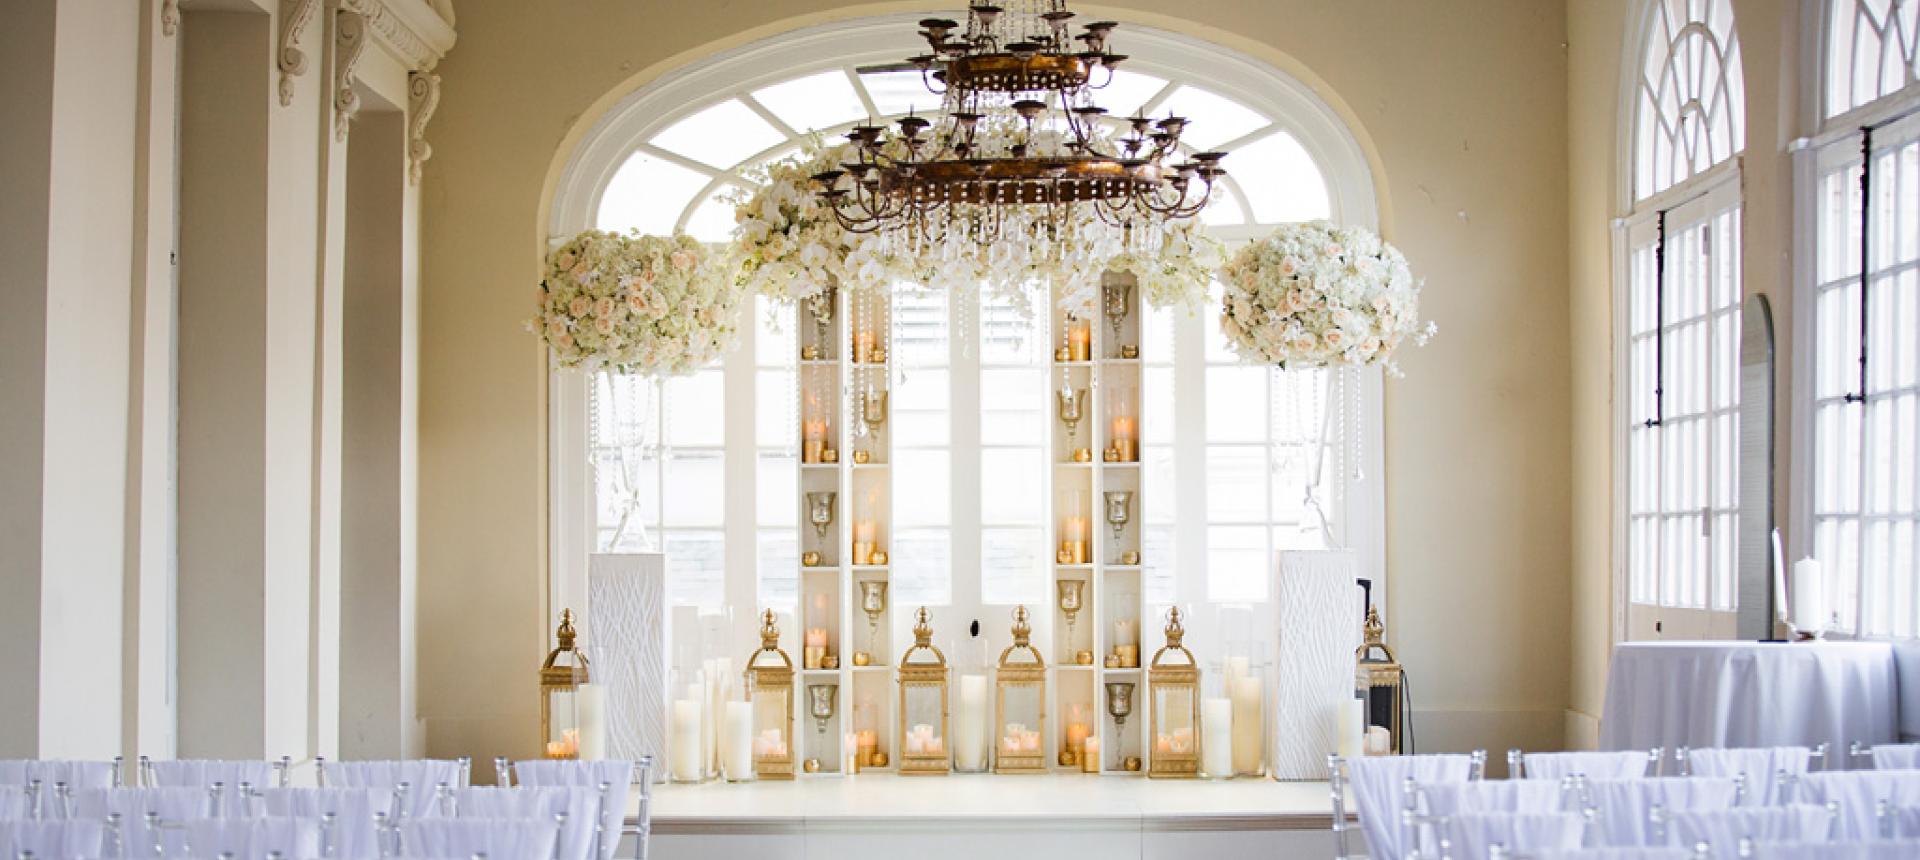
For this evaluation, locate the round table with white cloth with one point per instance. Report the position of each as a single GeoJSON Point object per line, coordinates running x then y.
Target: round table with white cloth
{"type": "Point", "coordinates": [1750, 694]}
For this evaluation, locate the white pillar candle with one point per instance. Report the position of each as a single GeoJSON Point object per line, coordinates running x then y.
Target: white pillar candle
{"type": "Point", "coordinates": [591, 705]}
{"type": "Point", "coordinates": [1090, 755]}
{"type": "Point", "coordinates": [1248, 748]}
{"type": "Point", "coordinates": [1216, 737]}
{"type": "Point", "coordinates": [736, 743]}
{"type": "Point", "coordinates": [686, 741]}
{"type": "Point", "coordinates": [1379, 741]}
{"type": "Point", "coordinates": [1236, 669]}
{"type": "Point", "coordinates": [1809, 597]}
{"type": "Point", "coordinates": [970, 724]}
{"type": "Point", "coordinates": [1351, 731]}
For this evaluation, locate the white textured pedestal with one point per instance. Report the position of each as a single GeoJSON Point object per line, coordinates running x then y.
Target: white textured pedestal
{"type": "Point", "coordinates": [989, 817]}
{"type": "Point", "coordinates": [1318, 611]}
{"type": "Point", "coordinates": [627, 633]}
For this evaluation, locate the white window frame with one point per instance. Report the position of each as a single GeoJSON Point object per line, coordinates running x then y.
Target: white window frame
{"type": "Point", "coordinates": [1717, 187]}
{"type": "Point", "coordinates": [678, 93]}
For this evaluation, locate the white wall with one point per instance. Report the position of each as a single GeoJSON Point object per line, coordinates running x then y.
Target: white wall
{"type": "Point", "coordinates": [171, 335]}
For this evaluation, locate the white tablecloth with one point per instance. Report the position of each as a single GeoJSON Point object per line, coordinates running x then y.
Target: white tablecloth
{"type": "Point", "coordinates": [1750, 694]}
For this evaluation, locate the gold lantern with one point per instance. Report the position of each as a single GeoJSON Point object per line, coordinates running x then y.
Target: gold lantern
{"type": "Point", "coordinates": [1020, 704]}
{"type": "Point", "coordinates": [1175, 715]}
{"type": "Point", "coordinates": [1379, 681]}
{"type": "Point", "coordinates": [769, 680]}
{"type": "Point", "coordinates": [560, 680]}
{"type": "Point", "coordinates": [923, 704]}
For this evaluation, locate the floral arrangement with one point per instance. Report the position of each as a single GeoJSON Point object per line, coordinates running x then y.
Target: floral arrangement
{"type": "Point", "coordinates": [652, 305]}
{"type": "Point", "coordinates": [1319, 295]}
{"type": "Point", "coordinates": [789, 246]}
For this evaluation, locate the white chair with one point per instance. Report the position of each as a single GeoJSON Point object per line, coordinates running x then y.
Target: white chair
{"type": "Point", "coordinates": [76, 774]}
{"type": "Point", "coordinates": [1859, 794]}
{"type": "Point", "coordinates": [580, 805]}
{"type": "Point", "coordinates": [1634, 852]}
{"type": "Point", "coordinates": [616, 779]}
{"type": "Point", "coordinates": [1891, 756]}
{"type": "Point", "coordinates": [200, 773]}
{"type": "Point", "coordinates": [413, 782]}
{"type": "Point", "coordinates": [1622, 808]}
{"type": "Point", "coordinates": [353, 817]}
{"type": "Point", "coordinates": [1496, 795]}
{"type": "Point", "coordinates": [15, 803]}
{"type": "Point", "coordinates": [1726, 830]}
{"type": "Point", "coordinates": [291, 838]}
{"type": "Point", "coordinates": [1896, 822]}
{"type": "Point", "coordinates": [497, 839]}
{"type": "Point", "coordinates": [1899, 850]}
{"type": "Point", "coordinates": [1384, 787]}
{"type": "Point", "coordinates": [1632, 764]}
{"type": "Point", "coordinates": [65, 840]}
{"type": "Point", "coordinates": [1477, 835]}
{"type": "Point", "coordinates": [1768, 770]}
{"type": "Point", "coordinates": [134, 804]}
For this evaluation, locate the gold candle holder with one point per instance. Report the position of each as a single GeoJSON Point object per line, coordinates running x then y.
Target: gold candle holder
{"type": "Point", "coordinates": [830, 455]}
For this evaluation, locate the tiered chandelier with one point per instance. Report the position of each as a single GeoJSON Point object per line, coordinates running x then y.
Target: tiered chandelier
{"type": "Point", "coordinates": [1017, 131]}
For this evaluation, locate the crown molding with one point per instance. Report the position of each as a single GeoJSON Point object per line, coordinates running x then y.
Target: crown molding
{"type": "Point", "coordinates": [409, 29]}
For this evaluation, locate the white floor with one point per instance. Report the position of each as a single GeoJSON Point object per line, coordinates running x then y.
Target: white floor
{"type": "Point", "coordinates": [982, 817]}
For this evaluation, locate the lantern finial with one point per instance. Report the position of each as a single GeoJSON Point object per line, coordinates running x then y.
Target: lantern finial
{"type": "Point", "coordinates": [769, 631]}
{"type": "Point", "coordinates": [1022, 631]}
{"type": "Point", "coordinates": [1174, 631]}
{"type": "Point", "coordinates": [923, 628]}
{"type": "Point", "coordinates": [1375, 636]}
{"type": "Point", "coordinates": [566, 633]}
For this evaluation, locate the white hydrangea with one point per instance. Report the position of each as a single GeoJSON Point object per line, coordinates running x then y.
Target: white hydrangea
{"type": "Point", "coordinates": [660, 306]}
{"type": "Point", "coordinates": [1320, 295]}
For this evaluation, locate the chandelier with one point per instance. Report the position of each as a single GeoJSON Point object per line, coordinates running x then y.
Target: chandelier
{"type": "Point", "coordinates": [1018, 139]}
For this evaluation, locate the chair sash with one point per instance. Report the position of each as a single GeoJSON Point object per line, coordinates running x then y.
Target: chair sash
{"type": "Point", "coordinates": [580, 804]}
{"type": "Point", "coordinates": [616, 775]}
{"type": "Point", "coordinates": [1476, 834]}
{"type": "Point", "coordinates": [1621, 807]}
{"type": "Point", "coordinates": [1592, 765]}
{"type": "Point", "coordinates": [1723, 830]}
{"type": "Point", "coordinates": [1762, 767]}
{"type": "Point", "coordinates": [1379, 790]}
{"type": "Point", "coordinates": [498, 839]}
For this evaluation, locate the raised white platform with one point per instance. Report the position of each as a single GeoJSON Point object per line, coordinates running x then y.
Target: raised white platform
{"type": "Point", "coordinates": [986, 817]}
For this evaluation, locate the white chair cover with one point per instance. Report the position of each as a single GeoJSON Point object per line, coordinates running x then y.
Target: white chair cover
{"type": "Point", "coordinates": [76, 774]}
{"type": "Point", "coordinates": [1474, 834]}
{"type": "Point", "coordinates": [1859, 793]}
{"type": "Point", "coordinates": [421, 774]}
{"type": "Point", "coordinates": [1896, 756]}
{"type": "Point", "coordinates": [618, 775]}
{"type": "Point", "coordinates": [580, 804]}
{"type": "Point", "coordinates": [1378, 790]}
{"type": "Point", "coordinates": [1762, 767]}
{"type": "Point", "coordinates": [1503, 795]}
{"type": "Point", "coordinates": [1723, 829]}
{"type": "Point", "coordinates": [14, 803]}
{"type": "Point", "coordinates": [1635, 852]}
{"type": "Point", "coordinates": [200, 773]}
{"type": "Point", "coordinates": [354, 833]}
{"type": "Point", "coordinates": [1621, 806]}
{"type": "Point", "coordinates": [1592, 765]}
{"type": "Point", "coordinates": [1900, 850]}
{"type": "Point", "coordinates": [291, 838]}
{"type": "Point", "coordinates": [134, 804]}
{"type": "Point", "coordinates": [67, 840]}
{"type": "Point", "coordinates": [499, 839]}
{"type": "Point", "coordinates": [1902, 822]}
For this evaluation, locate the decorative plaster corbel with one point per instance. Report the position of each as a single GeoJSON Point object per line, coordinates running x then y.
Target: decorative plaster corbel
{"type": "Point", "coordinates": [169, 16]}
{"type": "Point", "coordinates": [294, 15]}
{"type": "Point", "coordinates": [349, 40]}
{"type": "Point", "coordinates": [423, 95]}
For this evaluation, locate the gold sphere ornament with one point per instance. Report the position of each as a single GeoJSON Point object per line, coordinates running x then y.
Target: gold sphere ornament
{"type": "Point", "coordinates": [812, 765]}
{"type": "Point", "coordinates": [832, 455]}
{"type": "Point", "coordinates": [860, 457]}
{"type": "Point", "coordinates": [1129, 351]}
{"type": "Point", "coordinates": [1111, 455]}
{"type": "Point", "coordinates": [879, 557]}
{"type": "Point", "coordinates": [1062, 354]}
{"type": "Point", "coordinates": [809, 353]}
{"type": "Point", "coordinates": [1084, 658]}
{"type": "Point", "coordinates": [1082, 455]}
{"type": "Point", "coordinates": [862, 658]}
{"type": "Point", "coordinates": [831, 661]}
{"type": "Point", "coordinates": [1133, 763]}
{"type": "Point", "coordinates": [810, 559]}
{"type": "Point", "coordinates": [1067, 758]}
{"type": "Point", "coordinates": [1130, 557]}
{"type": "Point", "coordinates": [879, 758]}
{"type": "Point", "coordinates": [1113, 661]}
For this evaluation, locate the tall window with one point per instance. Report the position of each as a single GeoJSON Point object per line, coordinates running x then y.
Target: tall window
{"type": "Point", "coordinates": [1864, 403]}
{"type": "Point", "coordinates": [706, 468]}
{"type": "Point", "coordinates": [1682, 301]}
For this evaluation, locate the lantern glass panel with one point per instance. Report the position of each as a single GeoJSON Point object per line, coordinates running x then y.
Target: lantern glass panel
{"type": "Point", "coordinates": [1175, 706]}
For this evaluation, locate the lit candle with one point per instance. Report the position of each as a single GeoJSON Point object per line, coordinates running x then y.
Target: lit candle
{"type": "Point", "coordinates": [814, 433]}
{"type": "Point", "coordinates": [868, 743]}
{"type": "Point", "coordinates": [863, 541]}
{"type": "Point", "coordinates": [737, 745]}
{"type": "Point", "coordinates": [862, 347]}
{"type": "Point", "coordinates": [591, 700]}
{"type": "Point", "coordinates": [1075, 531]}
{"type": "Point", "coordinates": [1079, 339]}
{"type": "Point", "coordinates": [1077, 734]}
{"type": "Point", "coordinates": [686, 741]}
{"type": "Point", "coordinates": [1216, 721]}
{"type": "Point", "coordinates": [1090, 755]}
{"type": "Point", "coordinates": [556, 749]}
{"type": "Point", "coordinates": [1125, 438]}
{"type": "Point", "coordinates": [850, 751]}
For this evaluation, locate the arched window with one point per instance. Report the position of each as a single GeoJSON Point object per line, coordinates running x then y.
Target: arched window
{"type": "Point", "coordinates": [970, 408]}
{"type": "Point", "coordinates": [1682, 302]}
{"type": "Point", "coordinates": [1858, 408]}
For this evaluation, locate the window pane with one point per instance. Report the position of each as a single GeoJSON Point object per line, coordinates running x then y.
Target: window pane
{"type": "Point", "coordinates": [775, 424]}
{"type": "Point", "coordinates": [696, 566]}
{"type": "Point", "coordinates": [773, 335]}
{"type": "Point", "coordinates": [1013, 564]}
{"type": "Point", "coordinates": [779, 565]}
{"type": "Point", "coordinates": [647, 194]}
{"type": "Point", "coordinates": [722, 135]}
{"type": "Point", "coordinates": [926, 471]}
{"type": "Point", "coordinates": [1237, 404]}
{"type": "Point", "coordinates": [922, 567]}
{"type": "Point", "coordinates": [1236, 563]}
{"type": "Point", "coordinates": [695, 489]}
{"type": "Point", "coordinates": [777, 495]}
{"type": "Point", "coordinates": [813, 103]}
{"type": "Point", "coordinates": [696, 409]}
{"type": "Point", "coordinates": [1012, 486]}
{"type": "Point", "coordinates": [1236, 484]}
